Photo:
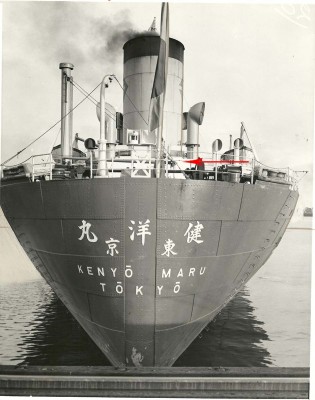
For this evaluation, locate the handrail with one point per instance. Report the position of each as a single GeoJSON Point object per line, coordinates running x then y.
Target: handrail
{"type": "Point", "coordinates": [147, 163]}
{"type": "Point", "coordinates": [43, 164]}
{"type": "Point", "coordinates": [208, 155]}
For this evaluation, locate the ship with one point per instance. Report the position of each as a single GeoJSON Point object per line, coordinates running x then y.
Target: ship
{"type": "Point", "coordinates": [144, 238]}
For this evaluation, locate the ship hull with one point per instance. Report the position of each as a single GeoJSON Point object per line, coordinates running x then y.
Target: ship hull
{"type": "Point", "coordinates": [145, 264]}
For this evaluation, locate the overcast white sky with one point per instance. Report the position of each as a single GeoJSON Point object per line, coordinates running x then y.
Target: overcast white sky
{"type": "Point", "coordinates": [251, 63]}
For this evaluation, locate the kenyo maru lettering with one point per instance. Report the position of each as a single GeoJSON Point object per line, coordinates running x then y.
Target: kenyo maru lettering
{"type": "Point", "coordinates": [169, 275]}
{"type": "Point", "coordinates": [166, 273]}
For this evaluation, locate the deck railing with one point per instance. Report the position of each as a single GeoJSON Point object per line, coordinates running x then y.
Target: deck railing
{"type": "Point", "coordinates": [43, 166]}
{"type": "Point", "coordinates": [212, 166]}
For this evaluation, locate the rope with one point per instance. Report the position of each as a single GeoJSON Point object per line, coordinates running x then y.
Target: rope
{"type": "Point", "coordinates": [56, 138]}
{"type": "Point", "coordinates": [268, 166]}
{"type": "Point", "coordinates": [35, 140]}
{"type": "Point", "coordinates": [259, 162]}
{"type": "Point", "coordinates": [251, 146]}
{"type": "Point", "coordinates": [94, 101]}
{"type": "Point", "coordinates": [81, 90]}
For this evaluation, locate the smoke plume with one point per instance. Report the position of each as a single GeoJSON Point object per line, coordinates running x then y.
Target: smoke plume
{"type": "Point", "coordinates": [85, 34]}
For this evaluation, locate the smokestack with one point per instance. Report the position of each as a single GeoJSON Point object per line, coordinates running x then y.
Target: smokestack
{"type": "Point", "coordinates": [140, 56]}
{"type": "Point", "coordinates": [194, 119]}
{"type": "Point", "coordinates": [66, 106]}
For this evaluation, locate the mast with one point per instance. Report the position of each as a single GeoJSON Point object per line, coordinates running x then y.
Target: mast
{"type": "Point", "coordinates": [159, 87]}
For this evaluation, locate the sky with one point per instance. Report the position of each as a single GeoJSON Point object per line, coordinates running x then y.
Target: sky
{"type": "Point", "coordinates": [248, 62]}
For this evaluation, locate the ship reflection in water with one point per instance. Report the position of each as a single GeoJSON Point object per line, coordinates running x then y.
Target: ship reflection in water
{"type": "Point", "coordinates": [52, 337]}
{"type": "Point", "coordinates": [232, 339]}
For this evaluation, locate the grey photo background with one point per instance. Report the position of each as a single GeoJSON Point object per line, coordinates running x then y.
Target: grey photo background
{"type": "Point", "coordinates": [248, 62]}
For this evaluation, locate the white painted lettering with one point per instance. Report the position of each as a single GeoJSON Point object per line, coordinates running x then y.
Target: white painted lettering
{"type": "Point", "coordinates": [168, 247]}
{"type": "Point", "coordinates": [128, 271]}
{"type": "Point", "coordinates": [85, 227]}
{"type": "Point", "coordinates": [143, 230]}
{"type": "Point", "coordinates": [80, 269]}
{"type": "Point", "coordinates": [166, 275]}
{"type": "Point", "coordinates": [139, 290]}
{"type": "Point", "coordinates": [103, 286]}
{"type": "Point", "coordinates": [119, 288]}
{"type": "Point", "coordinates": [177, 287]}
{"type": "Point", "coordinates": [180, 273]}
{"type": "Point", "coordinates": [112, 244]}
{"type": "Point", "coordinates": [202, 270]}
{"type": "Point", "coordinates": [160, 289]}
{"type": "Point", "coordinates": [195, 233]}
{"type": "Point", "coordinates": [114, 272]}
{"type": "Point", "coordinates": [192, 271]}
{"type": "Point", "coordinates": [89, 270]}
{"type": "Point", "coordinates": [100, 271]}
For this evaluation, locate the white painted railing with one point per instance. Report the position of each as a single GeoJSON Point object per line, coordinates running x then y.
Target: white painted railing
{"type": "Point", "coordinates": [133, 160]}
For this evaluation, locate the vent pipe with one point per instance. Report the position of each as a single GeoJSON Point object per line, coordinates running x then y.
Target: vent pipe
{"type": "Point", "coordinates": [238, 144]}
{"type": "Point", "coordinates": [66, 107]}
{"type": "Point", "coordinates": [231, 142]}
{"type": "Point", "coordinates": [194, 120]}
{"type": "Point", "coordinates": [110, 127]}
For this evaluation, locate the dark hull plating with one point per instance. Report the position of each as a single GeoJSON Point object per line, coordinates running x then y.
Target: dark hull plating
{"type": "Point", "coordinates": [143, 294]}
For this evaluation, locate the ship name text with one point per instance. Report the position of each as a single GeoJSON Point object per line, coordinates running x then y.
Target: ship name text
{"type": "Point", "coordinates": [169, 279]}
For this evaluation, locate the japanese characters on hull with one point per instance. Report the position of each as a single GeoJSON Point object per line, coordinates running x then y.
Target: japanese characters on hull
{"type": "Point", "coordinates": [104, 267]}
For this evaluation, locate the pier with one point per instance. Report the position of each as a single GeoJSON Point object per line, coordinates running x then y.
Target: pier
{"type": "Point", "coordinates": [201, 382]}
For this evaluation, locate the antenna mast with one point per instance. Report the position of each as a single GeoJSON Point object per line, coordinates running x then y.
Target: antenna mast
{"type": "Point", "coordinates": [153, 26]}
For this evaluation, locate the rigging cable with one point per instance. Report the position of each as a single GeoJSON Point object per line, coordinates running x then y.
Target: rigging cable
{"type": "Point", "coordinates": [171, 158]}
{"type": "Point", "coordinates": [50, 155]}
{"type": "Point", "coordinates": [93, 100]}
{"type": "Point", "coordinates": [35, 140]}
{"type": "Point", "coordinates": [125, 93]}
{"type": "Point", "coordinates": [96, 103]}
